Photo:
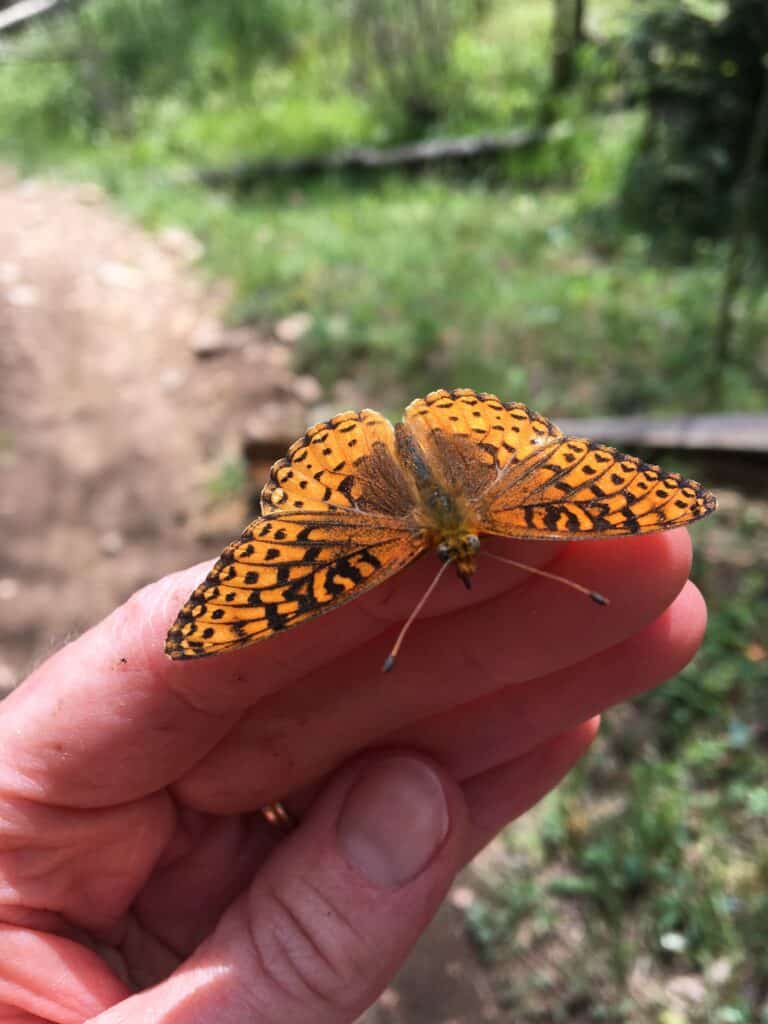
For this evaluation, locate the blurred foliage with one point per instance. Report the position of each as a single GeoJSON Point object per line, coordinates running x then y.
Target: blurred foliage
{"type": "Point", "coordinates": [401, 53]}
{"type": "Point", "coordinates": [229, 482]}
{"type": "Point", "coordinates": [418, 284]}
{"type": "Point", "coordinates": [229, 78]}
{"type": "Point", "coordinates": [492, 924]}
{"type": "Point", "coordinates": [720, 677]}
{"type": "Point", "coordinates": [655, 843]}
{"type": "Point", "coordinates": [524, 279]}
{"type": "Point", "coordinates": [100, 72]}
{"type": "Point", "coordinates": [699, 69]}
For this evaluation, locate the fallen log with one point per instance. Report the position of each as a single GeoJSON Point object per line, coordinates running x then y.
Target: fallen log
{"type": "Point", "coordinates": [19, 15]}
{"type": "Point", "coordinates": [411, 155]}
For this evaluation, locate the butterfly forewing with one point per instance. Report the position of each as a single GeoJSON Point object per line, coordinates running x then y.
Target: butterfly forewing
{"type": "Point", "coordinates": [537, 484]}
{"type": "Point", "coordinates": [585, 490]}
{"type": "Point", "coordinates": [285, 570]}
{"type": "Point", "coordinates": [336, 523]}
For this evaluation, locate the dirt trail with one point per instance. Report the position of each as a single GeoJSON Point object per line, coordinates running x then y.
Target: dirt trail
{"type": "Point", "coordinates": [111, 426]}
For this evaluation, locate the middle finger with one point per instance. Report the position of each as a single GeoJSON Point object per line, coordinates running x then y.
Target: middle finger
{"type": "Point", "coordinates": [295, 736]}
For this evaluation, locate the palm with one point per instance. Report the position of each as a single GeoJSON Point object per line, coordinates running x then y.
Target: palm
{"type": "Point", "coordinates": [143, 825]}
{"type": "Point", "coordinates": [208, 862]}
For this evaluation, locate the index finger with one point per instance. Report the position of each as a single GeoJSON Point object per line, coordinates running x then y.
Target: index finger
{"type": "Point", "coordinates": [110, 718]}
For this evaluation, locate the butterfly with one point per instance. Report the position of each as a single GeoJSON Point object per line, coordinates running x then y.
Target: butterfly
{"type": "Point", "coordinates": [356, 500]}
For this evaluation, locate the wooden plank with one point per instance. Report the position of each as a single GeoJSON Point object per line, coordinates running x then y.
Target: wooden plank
{"type": "Point", "coordinates": [736, 432]}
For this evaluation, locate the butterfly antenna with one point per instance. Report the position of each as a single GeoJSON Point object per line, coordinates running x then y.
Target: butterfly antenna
{"type": "Point", "coordinates": [598, 598]}
{"type": "Point", "coordinates": [390, 659]}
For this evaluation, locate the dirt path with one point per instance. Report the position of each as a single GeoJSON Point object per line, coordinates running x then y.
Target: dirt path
{"type": "Point", "coordinates": [113, 429]}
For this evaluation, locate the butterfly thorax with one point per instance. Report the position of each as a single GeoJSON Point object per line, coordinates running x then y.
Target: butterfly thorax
{"type": "Point", "coordinates": [445, 518]}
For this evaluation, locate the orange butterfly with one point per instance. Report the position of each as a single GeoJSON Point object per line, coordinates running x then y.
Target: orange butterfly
{"type": "Point", "coordinates": [356, 500]}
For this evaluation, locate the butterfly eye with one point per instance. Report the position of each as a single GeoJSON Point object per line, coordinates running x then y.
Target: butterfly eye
{"type": "Point", "coordinates": [443, 551]}
{"type": "Point", "coordinates": [473, 543]}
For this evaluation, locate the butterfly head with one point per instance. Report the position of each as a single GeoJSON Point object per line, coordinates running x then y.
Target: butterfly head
{"type": "Point", "coordinates": [461, 549]}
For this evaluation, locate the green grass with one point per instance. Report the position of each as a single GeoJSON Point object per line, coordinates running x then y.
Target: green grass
{"type": "Point", "coordinates": [521, 281]}
{"type": "Point", "coordinates": [413, 284]}
{"type": "Point", "coordinates": [653, 850]}
{"type": "Point", "coordinates": [416, 284]}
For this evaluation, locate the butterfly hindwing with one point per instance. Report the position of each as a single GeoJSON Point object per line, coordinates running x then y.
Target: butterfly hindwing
{"type": "Point", "coordinates": [473, 424]}
{"type": "Point", "coordinates": [341, 464]}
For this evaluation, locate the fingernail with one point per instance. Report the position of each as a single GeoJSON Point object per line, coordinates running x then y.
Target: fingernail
{"type": "Point", "coordinates": [393, 821]}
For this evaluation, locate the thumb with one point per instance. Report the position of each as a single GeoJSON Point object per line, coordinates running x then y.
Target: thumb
{"type": "Point", "coordinates": [334, 910]}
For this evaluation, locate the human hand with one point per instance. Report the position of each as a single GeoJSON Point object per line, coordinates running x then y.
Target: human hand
{"type": "Point", "coordinates": [140, 883]}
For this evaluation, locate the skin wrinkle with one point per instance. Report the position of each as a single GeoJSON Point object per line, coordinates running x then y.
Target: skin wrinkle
{"type": "Point", "coordinates": [264, 965]}
{"type": "Point", "coordinates": [23, 949]}
{"type": "Point", "coordinates": [25, 870]}
{"type": "Point", "coordinates": [22, 817]}
{"type": "Point", "coordinates": [236, 844]}
{"type": "Point", "coordinates": [294, 958]}
{"type": "Point", "coordinates": [37, 920]}
{"type": "Point", "coordinates": [469, 660]}
{"type": "Point", "coordinates": [335, 911]}
{"type": "Point", "coordinates": [136, 936]}
{"type": "Point", "coordinates": [58, 866]}
{"type": "Point", "coordinates": [155, 702]}
{"type": "Point", "coordinates": [190, 828]}
{"type": "Point", "coordinates": [113, 956]}
{"type": "Point", "coordinates": [194, 703]}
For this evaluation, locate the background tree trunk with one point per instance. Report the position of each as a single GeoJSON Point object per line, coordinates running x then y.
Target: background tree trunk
{"type": "Point", "coordinates": [744, 199]}
{"type": "Point", "coordinates": [567, 35]}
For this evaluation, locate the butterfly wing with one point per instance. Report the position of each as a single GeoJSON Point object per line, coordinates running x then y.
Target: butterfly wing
{"type": "Point", "coordinates": [536, 483]}
{"type": "Point", "coordinates": [581, 489]}
{"type": "Point", "coordinates": [337, 520]}
{"type": "Point", "coordinates": [474, 434]}
{"type": "Point", "coordinates": [347, 463]}
{"type": "Point", "coordinates": [284, 570]}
